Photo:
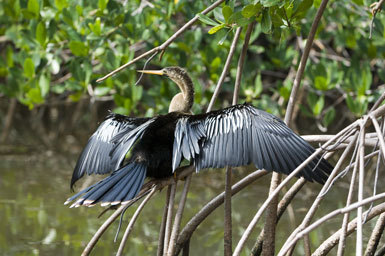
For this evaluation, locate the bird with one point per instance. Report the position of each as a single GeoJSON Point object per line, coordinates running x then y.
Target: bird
{"type": "Point", "coordinates": [131, 148]}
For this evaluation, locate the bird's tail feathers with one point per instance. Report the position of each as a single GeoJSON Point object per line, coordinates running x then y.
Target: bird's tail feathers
{"type": "Point", "coordinates": [121, 186]}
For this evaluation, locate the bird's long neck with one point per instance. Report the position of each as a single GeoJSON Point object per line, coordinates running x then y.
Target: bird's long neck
{"type": "Point", "coordinates": [184, 100]}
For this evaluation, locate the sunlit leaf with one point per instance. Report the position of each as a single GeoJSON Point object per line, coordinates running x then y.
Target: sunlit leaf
{"type": "Point", "coordinates": [29, 68]}
{"type": "Point", "coordinates": [102, 4]}
{"type": "Point", "coordinates": [41, 33]}
{"type": "Point", "coordinates": [317, 108]}
{"type": "Point", "coordinates": [78, 48]}
{"type": "Point", "coordinates": [34, 7]}
{"type": "Point", "coordinates": [215, 29]}
{"type": "Point", "coordinates": [61, 4]}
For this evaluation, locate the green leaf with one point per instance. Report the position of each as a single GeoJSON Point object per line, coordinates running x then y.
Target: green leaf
{"type": "Point", "coordinates": [258, 87]}
{"type": "Point", "coordinates": [205, 19]}
{"type": "Point", "coordinates": [34, 95]}
{"type": "Point", "coordinates": [269, 3]}
{"type": "Point", "coordinates": [41, 33]}
{"type": "Point", "coordinates": [224, 37]}
{"type": "Point", "coordinates": [266, 21]}
{"type": "Point", "coordinates": [366, 81]}
{"type": "Point", "coordinates": [78, 48]}
{"type": "Point", "coordinates": [96, 27]}
{"type": "Point", "coordinates": [249, 11]}
{"type": "Point", "coordinates": [44, 85]}
{"type": "Point", "coordinates": [302, 9]}
{"type": "Point", "coordinates": [101, 91]}
{"type": "Point", "coordinates": [29, 68]}
{"type": "Point", "coordinates": [320, 83]}
{"type": "Point", "coordinates": [317, 108]}
{"type": "Point", "coordinates": [33, 7]}
{"type": "Point", "coordinates": [227, 12]}
{"type": "Point", "coordinates": [9, 56]}
{"type": "Point", "coordinates": [329, 117]}
{"type": "Point", "coordinates": [61, 4]}
{"type": "Point", "coordinates": [102, 4]}
{"type": "Point", "coordinates": [215, 29]}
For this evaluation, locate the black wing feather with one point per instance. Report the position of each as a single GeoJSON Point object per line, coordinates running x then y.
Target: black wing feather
{"type": "Point", "coordinates": [95, 158]}
{"type": "Point", "coordinates": [242, 134]}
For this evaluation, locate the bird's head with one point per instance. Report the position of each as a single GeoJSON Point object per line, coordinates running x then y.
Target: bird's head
{"type": "Point", "coordinates": [176, 74]}
{"type": "Point", "coordinates": [181, 102]}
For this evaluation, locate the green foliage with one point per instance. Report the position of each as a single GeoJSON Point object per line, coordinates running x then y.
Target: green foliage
{"type": "Point", "coordinates": [62, 46]}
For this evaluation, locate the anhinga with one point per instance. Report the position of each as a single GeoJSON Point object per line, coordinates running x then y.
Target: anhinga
{"type": "Point", "coordinates": [234, 136]}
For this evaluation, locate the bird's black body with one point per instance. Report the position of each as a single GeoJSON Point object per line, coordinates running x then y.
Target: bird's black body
{"type": "Point", "coordinates": [155, 147]}
{"type": "Point", "coordinates": [234, 136]}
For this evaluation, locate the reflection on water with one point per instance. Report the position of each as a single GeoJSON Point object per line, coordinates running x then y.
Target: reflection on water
{"type": "Point", "coordinates": [34, 220]}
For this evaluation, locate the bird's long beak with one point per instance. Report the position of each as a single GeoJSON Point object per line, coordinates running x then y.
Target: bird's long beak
{"type": "Point", "coordinates": [153, 72]}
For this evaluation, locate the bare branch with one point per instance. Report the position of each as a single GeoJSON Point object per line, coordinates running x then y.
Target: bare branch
{"type": "Point", "coordinates": [341, 245]}
{"type": "Point", "coordinates": [332, 241]}
{"type": "Point", "coordinates": [163, 224]}
{"type": "Point", "coordinates": [361, 154]}
{"type": "Point", "coordinates": [132, 221]}
{"type": "Point", "coordinates": [190, 227]}
{"type": "Point", "coordinates": [225, 69]}
{"type": "Point", "coordinates": [302, 64]}
{"type": "Point", "coordinates": [329, 216]}
{"type": "Point", "coordinates": [257, 216]}
{"type": "Point", "coordinates": [178, 217]}
{"type": "Point", "coordinates": [169, 218]}
{"type": "Point", "coordinates": [162, 47]}
{"type": "Point", "coordinates": [375, 236]}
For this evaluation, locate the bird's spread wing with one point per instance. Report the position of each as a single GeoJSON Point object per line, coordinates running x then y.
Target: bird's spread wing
{"type": "Point", "coordinates": [95, 157]}
{"type": "Point", "coordinates": [240, 135]}
{"type": "Point", "coordinates": [125, 140]}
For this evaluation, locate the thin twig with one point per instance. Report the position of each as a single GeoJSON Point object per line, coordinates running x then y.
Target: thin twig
{"type": "Point", "coordinates": [285, 201]}
{"type": "Point", "coordinates": [178, 217]}
{"type": "Point", "coordinates": [310, 213]}
{"type": "Point", "coordinates": [101, 230]}
{"type": "Point", "coordinates": [375, 236]}
{"type": "Point", "coordinates": [163, 224]}
{"type": "Point", "coordinates": [132, 221]}
{"type": "Point", "coordinates": [332, 241]}
{"type": "Point", "coordinates": [227, 236]}
{"type": "Point", "coordinates": [304, 57]}
{"type": "Point", "coordinates": [162, 47]}
{"type": "Point", "coordinates": [227, 202]}
{"type": "Point", "coordinates": [341, 245]}
{"type": "Point", "coordinates": [361, 154]}
{"type": "Point", "coordinates": [376, 7]}
{"type": "Point", "coordinates": [241, 61]}
{"type": "Point", "coordinates": [329, 216]}
{"type": "Point", "coordinates": [169, 218]}
{"type": "Point", "coordinates": [378, 102]}
{"type": "Point", "coordinates": [268, 247]}
{"type": "Point", "coordinates": [205, 211]}
{"type": "Point", "coordinates": [225, 68]}
{"type": "Point", "coordinates": [257, 216]}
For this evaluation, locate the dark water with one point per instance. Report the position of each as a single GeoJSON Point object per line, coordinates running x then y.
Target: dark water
{"type": "Point", "coordinates": [34, 221]}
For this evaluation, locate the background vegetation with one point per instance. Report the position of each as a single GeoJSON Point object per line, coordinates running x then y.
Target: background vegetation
{"type": "Point", "coordinates": [52, 52]}
{"type": "Point", "coordinates": [55, 50]}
